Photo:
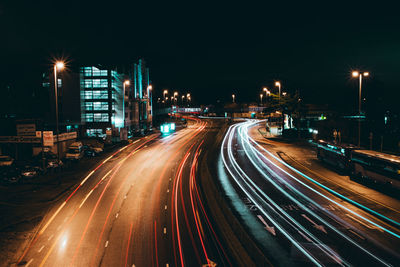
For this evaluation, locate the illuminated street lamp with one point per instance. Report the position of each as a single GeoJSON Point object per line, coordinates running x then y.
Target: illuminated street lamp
{"type": "Point", "coordinates": [165, 93]}
{"type": "Point", "coordinates": [58, 66]}
{"type": "Point", "coordinates": [175, 95]}
{"type": "Point", "coordinates": [127, 82]}
{"type": "Point", "coordinates": [279, 86]}
{"type": "Point", "coordinates": [233, 98]}
{"type": "Point", "coordinates": [359, 75]}
{"type": "Point", "coordinates": [261, 96]}
{"type": "Point", "coordinates": [284, 93]}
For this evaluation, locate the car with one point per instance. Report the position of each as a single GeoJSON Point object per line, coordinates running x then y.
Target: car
{"type": "Point", "coordinates": [10, 174]}
{"type": "Point", "coordinates": [50, 158]}
{"type": "Point", "coordinates": [75, 151]}
{"type": "Point", "coordinates": [31, 171]}
{"type": "Point", "coordinates": [6, 160]}
{"type": "Point", "coordinates": [89, 151]}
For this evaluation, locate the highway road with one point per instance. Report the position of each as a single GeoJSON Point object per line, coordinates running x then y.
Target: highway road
{"type": "Point", "coordinates": [294, 218]}
{"type": "Point", "coordinates": [142, 206]}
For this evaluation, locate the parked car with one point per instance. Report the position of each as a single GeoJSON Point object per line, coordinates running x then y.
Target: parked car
{"type": "Point", "coordinates": [10, 174]}
{"type": "Point", "coordinates": [75, 151]}
{"type": "Point", "coordinates": [50, 158]}
{"type": "Point", "coordinates": [6, 160]}
{"type": "Point", "coordinates": [31, 171]}
{"type": "Point", "coordinates": [89, 151]}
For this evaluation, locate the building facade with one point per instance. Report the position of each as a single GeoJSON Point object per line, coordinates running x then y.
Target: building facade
{"type": "Point", "coordinates": [141, 97]}
{"type": "Point", "coordinates": [102, 100]}
{"type": "Point", "coordinates": [115, 103]}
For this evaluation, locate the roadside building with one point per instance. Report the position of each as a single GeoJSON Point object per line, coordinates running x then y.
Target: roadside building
{"type": "Point", "coordinates": [141, 98]}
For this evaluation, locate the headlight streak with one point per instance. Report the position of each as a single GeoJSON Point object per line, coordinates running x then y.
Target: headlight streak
{"type": "Point", "coordinates": [244, 132]}
{"type": "Point", "coordinates": [327, 188]}
{"type": "Point", "coordinates": [114, 169]}
{"type": "Point", "coordinates": [268, 216]}
{"type": "Point", "coordinates": [326, 249]}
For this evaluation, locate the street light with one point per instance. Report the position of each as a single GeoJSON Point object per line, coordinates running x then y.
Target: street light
{"type": "Point", "coordinates": [175, 95]}
{"type": "Point", "coordinates": [165, 93]}
{"type": "Point", "coordinates": [58, 66]}
{"type": "Point", "coordinates": [233, 98]}
{"type": "Point", "coordinates": [127, 82]}
{"type": "Point", "coordinates": [261, 96]}
{"type": "Point", "coordinates": [279, 86]}
{"type": "Point", "coordinates": [359, 74]}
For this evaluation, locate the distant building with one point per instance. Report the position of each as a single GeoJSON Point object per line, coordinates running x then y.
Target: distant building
{"type": "Point", "coordinates": [141, 96]}
{"type": "Point", "coordinates": [93, 102]}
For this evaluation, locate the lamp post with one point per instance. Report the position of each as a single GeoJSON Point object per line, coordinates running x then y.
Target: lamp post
{"type": "Point", "coordinates": [165, 92]}
{"type": "Point", "coordinates": [279, 86]}
{"type": "Point", "coordinates": [175, 99]}
{"type": "Point", "coordinates": [188, 98]}
{"type": "Point", "coordinates": [261, 96]}
{"type": "Point", "coordinates": [59, 65]}
{"type": "Point", "coordinates": [283, 117]}
{"type": "Point", "coordinates": [183, 98]}
{"type": "Point", "coordinates": [233, 98]}
{"type": "Point", "coordinates": [359, 75]}
{"type": "Point", "coordinates": [127, 82]}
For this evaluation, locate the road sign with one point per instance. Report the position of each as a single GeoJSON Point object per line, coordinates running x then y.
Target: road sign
{"type": "Point", "coordinates": [48, 138]}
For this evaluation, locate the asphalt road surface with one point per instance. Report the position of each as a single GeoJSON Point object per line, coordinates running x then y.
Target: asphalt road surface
{"type": "Point", "coordinates": [297, 220]}
{"type": "Point", "coordinates": [139, 207]}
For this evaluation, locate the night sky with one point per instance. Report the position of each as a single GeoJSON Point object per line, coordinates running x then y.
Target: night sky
{"type": "Point", "coordinates": [212, 50]}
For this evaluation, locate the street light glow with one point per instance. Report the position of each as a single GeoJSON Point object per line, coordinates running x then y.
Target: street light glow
{"type": "Point", "coordinates": [355, 73]}
{"type": "Point", "coordinates": [366, 74]}
{"type": "Point", "coordinates": [127, 82]}
{"type": "Point", "coordinates": [60, 65]}
{"type": "Point", "coordinates": [277, 84]}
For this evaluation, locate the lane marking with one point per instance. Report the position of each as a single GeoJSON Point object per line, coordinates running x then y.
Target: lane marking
{"type": "Point", "coordinates": [50, 237]}
{"type": "Point", "coordinates": [29, 263]}
{"type": "Point", "coordinates": [270, 229]}
{"type": "Point", "coordinates": [116, 215]}
{"type": "Point", "coordinates": [317, 226]}
{"type": "Point", "coordinates": [40, 250]}
{"type": "Point", "coordinates": [165, 207]}
{"type": "Point", "coordinates": [168, 190]}
{"type": "Point", "coordinates": [165, 231]}
{"type": "Point", "coordinates": [106, 245]}
{"type": "Point", "coordinates": [107, 159]}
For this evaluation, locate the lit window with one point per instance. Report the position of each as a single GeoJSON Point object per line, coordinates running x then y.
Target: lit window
{"type": "Point", "coordinates": [88, 83]}
{"type": "Point", "coordinates": [100, 105]}
{"type": "Point", "coordinates": [59, 83]}
{"type": "Point", "coordinates": [89, 106]}
{"type": "Point", "coordinates": [100, 83]}
{"type": "Point", "coordinates": [100, 94]}
{"type": "Point", "coordinates": [88, 117]}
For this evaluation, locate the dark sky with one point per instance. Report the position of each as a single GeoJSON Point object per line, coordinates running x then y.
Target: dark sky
{"type": "Point", "coordinates": [213, 49]}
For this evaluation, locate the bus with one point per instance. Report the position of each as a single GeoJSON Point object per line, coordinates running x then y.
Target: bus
{"type": "Point", "coordinates": [338, 156]}
{"type": "Point", "coordinates": [376, 166]}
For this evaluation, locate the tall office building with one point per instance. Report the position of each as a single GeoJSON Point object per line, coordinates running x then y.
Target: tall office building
{"type": "Point", "coordinates": [102, 100]}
